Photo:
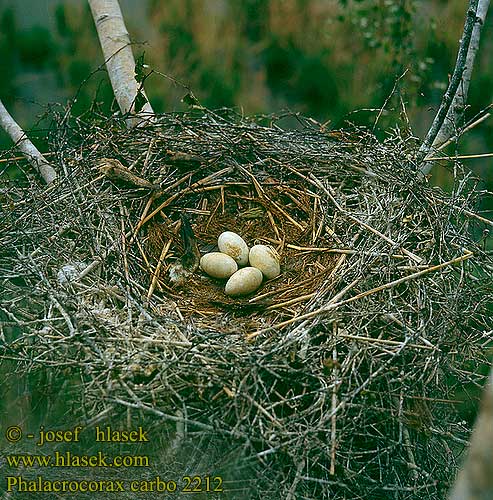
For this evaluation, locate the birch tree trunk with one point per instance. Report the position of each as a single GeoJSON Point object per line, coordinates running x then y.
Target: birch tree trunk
{"type": "Point", "coordinates": [456, 110]}
{"type": "Point", "coordinates": [475, 480]}
{"type": "Point", "coordinates": [120, 62]}
{"type": "Point", "coordinates": [28, 149]}
{"type": "Point", "coordinates": [447, 119]}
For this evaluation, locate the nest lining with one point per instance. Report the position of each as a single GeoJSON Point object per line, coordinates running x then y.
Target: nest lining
{"type": "Point", "coordinates": [357, 349]}
{"type": "Point", "coordinates": [286, 216]}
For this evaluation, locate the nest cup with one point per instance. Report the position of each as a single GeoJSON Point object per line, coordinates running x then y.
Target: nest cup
{"type": "Point", "coordinates": [283, 214]}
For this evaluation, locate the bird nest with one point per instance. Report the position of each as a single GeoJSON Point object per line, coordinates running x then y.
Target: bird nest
{"type": "Point", "coordinates": [338, 379]}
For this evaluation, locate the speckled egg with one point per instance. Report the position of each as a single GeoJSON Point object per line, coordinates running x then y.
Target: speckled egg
{"type": "Point", "coordinates": [266, 259]}
{"type": "Point", "coordinates": [243, 282]}
{"type": "Point", "coordinates": [233, 245]}
{"type": "Point", "coordinates": [218, 265]}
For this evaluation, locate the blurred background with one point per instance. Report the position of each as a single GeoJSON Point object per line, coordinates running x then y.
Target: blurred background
{"type": "Point", "coordinates": [335, 60]}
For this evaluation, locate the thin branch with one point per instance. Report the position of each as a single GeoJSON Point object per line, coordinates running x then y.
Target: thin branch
{"type": "Point", "coordinates": [120, 62]}
{"type": "Point", "coordinates": [459, 157]}
{"type": "Point", "coordinates": [28, 149]}
{"type": "Point", "coordinates": [452, 105]}
{"type": "Point", "coordinates": [469, 126]}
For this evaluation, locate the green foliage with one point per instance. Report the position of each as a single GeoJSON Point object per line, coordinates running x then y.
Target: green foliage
{"type": "Point", "coordinates": [181, 42]}
{"type": "Point", "coordinates": [62, 25]}
{"type": "Point", "coordinates": [190, 100]}
{"type": "Point", "coordinates": [7, 60]}
{"type": "Point", "coordinates": [388, 30]}
{"type": "Point", "coordinates": [280, 61]}
{"type": "Point", "coordinates": [386, 25]}
{"type": "Point", "coordinates": [36, 47]}
{"type": "Point", "coordinates": [316, 85]}
{"type": "Point", "coordinates": [255, 12]}
{"type": "Point", "coordinates": [77, 70]}
{"type": "Point", "coordinates": [303, 77]}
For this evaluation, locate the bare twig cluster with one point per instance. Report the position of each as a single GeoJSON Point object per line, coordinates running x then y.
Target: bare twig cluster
{"type": "Point", "coordinates": [339, 379]}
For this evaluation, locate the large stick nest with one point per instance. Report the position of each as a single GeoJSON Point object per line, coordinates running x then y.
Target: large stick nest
{"type": "Point", "coordinates": [335, 380]}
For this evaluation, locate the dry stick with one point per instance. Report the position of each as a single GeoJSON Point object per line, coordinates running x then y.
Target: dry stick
{"type": "Point", "coordinates": [28, 149]}
{"type": "Point", "coordinates": [340, 261]}
{"type": "Point", "coordinates": [464, 130]}
{"type": "Point", "coordinates": [145, 313]}
{"type": "Point", "coordinates": [307, 249]}
{"type": "Point", "coordinates": [99, 260]}
{"type": "Point", "coordinates": [125, 259]}
{"type": "Point", "coordinates": [283, 212]}
{"type": "Point", "coordinates": [452, 95]}
{"type": "Point", "coordinates": [309, 296]}
{"type": "Point", "coordinates": [286, 288]}
{"type": "Point", "coordinates": [148, 153]}
{"type": "Point", "coordinates": [262, 410]}
{"type": "Point", "coordinates": [15, 158]}
{"type": "Point", "coordinates": [152, 197]}
{"type": "Point", "coordinates": [171, 418]}
{"type": "Point", "coordinates": [413, 256]}
{"type": "Point", "coordinates": [120, 62]}
{"type": "Point", "coordinates": [333, 427]}
{"type": "Point", "coordinates": [297, 478]}
{"type": "Point", "coordinates": [361, 295]}
{"type": "Point", "coordinates": [262, 195]}
{"type": "Point", "coordinates": [273, 224]}
{"type": "Point", "coordinates": [142, 217]}
{"type": "Point", "coordinates": [185, 191]}
{"type": "Point", "coordinates": [314, 220]}
{"type": "Point", "coordinates": [410, 330]}
{"type": "Point", "coordinates": [65, 315]}
{"type": "Point", "coordinates": [365, 384]}
{"type": "Point", "coordinates": [155, 276]}
{"type": "Point", "coordinates": [396, 343]}
{"type": "Point", "coordinates": [403, 431]}
{"type": "Point", "coordinates": [290, 302]}
{"type": "Point", "coordinates": [469, 213]}
{"type": "Point", "coordinates": [460, 157]}
{"type": "Point", "coordinates": [337, 297]}
{"type": "Point", "coordinates": [319, 186]}
{"type": "Point", "coordinates": [347, 251]}
{"type": "Point", "coordinates": [144, 256]}
{"type": "Point", "coordinates": [391, 94]}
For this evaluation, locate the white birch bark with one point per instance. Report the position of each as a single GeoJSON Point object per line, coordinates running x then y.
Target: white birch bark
{"type": "Point", "coordinates": [120, 62]}
{"type": "Point", "coordinates": [445, 127]}
{"type": "Point", "coordinates": [475, 480]}
{"type": "Point", "coordinates": [450, 125]}
{"type": "Point", "coordinates": [28, 149]}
